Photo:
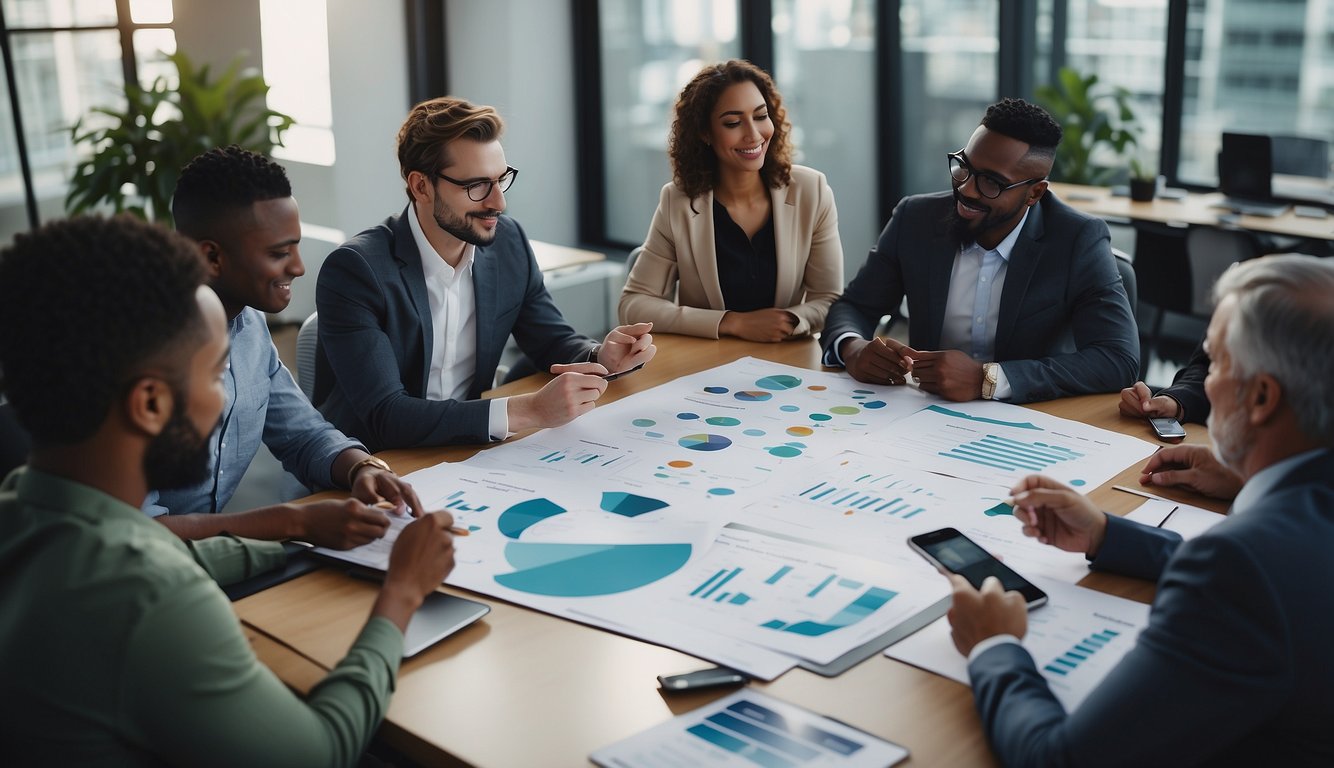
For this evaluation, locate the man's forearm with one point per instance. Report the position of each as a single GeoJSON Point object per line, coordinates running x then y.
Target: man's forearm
{"type": "Point", "coordinates": [274, 523]}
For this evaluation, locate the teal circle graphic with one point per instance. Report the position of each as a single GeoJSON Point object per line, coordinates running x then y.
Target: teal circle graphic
{"type": "Point", "coordinates": [754, 432]}
{"type": "Point", "coordinates": [778, 382]}
{"type": "Point", "coordinates": [723, 421]}
{"type": "Point", "coordinates": [687, 416]}
{"type": "Point", "coordinates": [716, 390]}
{"type": "Point", "coordinates": [643, 422]}
{"type": "Point", "coordinates": [820, 417]}
{"type": "Point", "coordinates": [784, 451]}
{"type": "Point", "coordinates": [789, 408]}
{"type": "Point", "coordinates": [721, 491]}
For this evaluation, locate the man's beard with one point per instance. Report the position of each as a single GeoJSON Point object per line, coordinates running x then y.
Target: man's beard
{"type": "Point", "coordinates": [458, 226]}
{"type": "Point", "coordinates": [962, 232]}
{"type": "Point", "coordinates": [178, 456]}
{"type": "Point", "coordinates": [1229, 435]}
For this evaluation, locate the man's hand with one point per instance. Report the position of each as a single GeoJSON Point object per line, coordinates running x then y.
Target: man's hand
{"type": "Point", "coordinates": [950, 373]}
{"type": "Point", "coordinates": [1138, 402]}
{"type": "Point", "coordinates": [878, 361]}
{"type": "Point", "coordinates": [422, 557]}
{"type": "Point", "coordinates": [1056, 515]}
{"type": "Point", "coordinates": [976, 615]}
{"type": "Point", "coordinates": [1193, 467]}
{"type": "Point", "coordinates": [625, 347]}
{"type": "Point", "coordinates": [770, 324]}
{"type": "Point", "coordinates": [372, 484]}
{"type": "Point", "coordinates": [573, 392]}
{"type": "Point", "coordinates": [338, 524]}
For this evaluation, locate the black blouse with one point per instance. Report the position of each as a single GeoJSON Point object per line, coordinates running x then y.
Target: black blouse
{"type": "Point", "coordinates": [747, 267]}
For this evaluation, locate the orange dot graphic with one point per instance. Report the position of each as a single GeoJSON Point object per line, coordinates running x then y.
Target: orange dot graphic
{"type": "Point", "coordinates": [800, 431]}
{"type": "Point", "coordinates": [679, 464]}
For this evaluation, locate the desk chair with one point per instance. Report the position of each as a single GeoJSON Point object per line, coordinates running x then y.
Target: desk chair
{"type": "Point", "coordinates": [1126, 266]}
{"type": "Point", "coordinates": [632, 258]}
{"type": "Point", "coordinates": [307, 341]}
{"type": "Point", "coordinates": [14, 440]}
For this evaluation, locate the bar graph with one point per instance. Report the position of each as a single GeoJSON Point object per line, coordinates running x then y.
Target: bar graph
{"type": "Point", "coordinates": [891, 496]}
{"type": "Point", "coordinates": [862, 606]}
{"type": "Point", "coordinates": [457, 501]}
{"type": "Point", "coordinates": [581, 457]}
{"type": "Point", "coordinates": [1008, 454]}
{"type": "Point", "coordinates": [1080, 652]}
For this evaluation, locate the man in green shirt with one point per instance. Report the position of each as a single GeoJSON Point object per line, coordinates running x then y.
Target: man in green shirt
{"type": "Point", "coordinates": [116, 645]}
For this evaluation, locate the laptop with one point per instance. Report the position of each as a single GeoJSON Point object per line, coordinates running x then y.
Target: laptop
{"type": "Point", "coordinates": [1245, 173]}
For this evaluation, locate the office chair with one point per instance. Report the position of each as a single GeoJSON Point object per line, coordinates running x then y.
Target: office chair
{"type": "Point", "coordinates": [1210, 251]}
{"type": "Point", "coordinates": [1126, 266]}
{"type": "Point", "coordinates": [14, 440]}
{"type": "Point", "coordinates": [632, 258]}
{"type": "Point", "coordinates": [307, 341]}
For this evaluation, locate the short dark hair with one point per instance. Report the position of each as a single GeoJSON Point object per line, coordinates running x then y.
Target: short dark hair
{"type": "Point", "coordinates": [86, 303]}
{"type": "Point", "coordinates": [220, 182]}
{"type": "Point", "coordinates": [1025, 122]}
{"type": "Point", "coordinates": [694, 164]}
{"type": "Point", "coordinates": [433, 123]}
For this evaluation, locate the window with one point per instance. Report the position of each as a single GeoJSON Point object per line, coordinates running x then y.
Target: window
{"type": "Point", "coordinates": [67, 58]}
{"type": "Point", "coordinates": [294, 35]}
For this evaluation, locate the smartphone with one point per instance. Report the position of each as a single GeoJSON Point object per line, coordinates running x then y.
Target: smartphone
{"type": "Point", "coordinates": [1167, 428]}
{"type": "Point", "coordinates": [703, 678]}
{"type": "Point", "coordinates": [956, 553]}
{"type": "Point", "coordinates": [619, 374]}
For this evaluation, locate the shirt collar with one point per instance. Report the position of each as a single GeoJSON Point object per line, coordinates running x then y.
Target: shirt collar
{"type": "Point", "coordinates": [433, 265]}
{"type": "Point", "coordinates": [1005, 246]}
{"type": "Point", "coordinates": [1264, 482]}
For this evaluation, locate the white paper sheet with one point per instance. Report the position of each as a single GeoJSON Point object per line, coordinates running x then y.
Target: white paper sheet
{"type": "Point", "coordinates": [1075, 640]}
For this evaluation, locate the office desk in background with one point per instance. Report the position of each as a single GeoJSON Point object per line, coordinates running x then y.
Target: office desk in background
{"type": "Point", "coordinates": [523, 688]}
{"type": "Point", "coordinates": [1195, 208]}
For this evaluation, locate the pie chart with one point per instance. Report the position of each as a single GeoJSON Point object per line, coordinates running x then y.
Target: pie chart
{"type": "Point", "coordinates": [750, 396]}
{"type": "Point", "coordinates": [778, 382]}
{"type": "Point", "coordinates": [703, 442]}
{"type": "Point", "coordinates": [585, 570]}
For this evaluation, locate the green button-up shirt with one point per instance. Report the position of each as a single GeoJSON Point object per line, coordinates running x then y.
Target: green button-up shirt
{"type": "Point", "coordinates": [118, 648]}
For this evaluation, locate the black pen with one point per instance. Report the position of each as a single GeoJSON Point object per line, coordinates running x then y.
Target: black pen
{"type": "Point", "coordinates": [619, 374]}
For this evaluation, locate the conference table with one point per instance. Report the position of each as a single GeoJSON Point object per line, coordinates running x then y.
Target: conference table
{"type": "Point", "coordinates": [1192, 209]}
{"type": "Point", "coordinates": [522, 688]}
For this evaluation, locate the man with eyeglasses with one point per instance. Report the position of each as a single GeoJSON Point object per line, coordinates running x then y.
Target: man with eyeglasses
{"type": "Point", "coordinates": [415, 312]}
{"type": "Point", "coordinates": [1012, 295]}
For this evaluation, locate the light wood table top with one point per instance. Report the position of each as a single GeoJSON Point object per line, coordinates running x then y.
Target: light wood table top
{"type": "Point", "coordinates": [523, 688]}
{"type": "Point", "coordinates": [551, 256]}
{"type": "Point", "coordinates": [1196, 208]}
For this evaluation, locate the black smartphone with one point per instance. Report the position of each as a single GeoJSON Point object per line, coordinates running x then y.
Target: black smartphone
{"type": "Point", "coordinates": [956, 553]}
{"type": "Point", "coordinates": [703, 678]}
{"type": "Point", "coordinates": [619, 374]}
{"type": "Point", "coordinates": [1167, 428]}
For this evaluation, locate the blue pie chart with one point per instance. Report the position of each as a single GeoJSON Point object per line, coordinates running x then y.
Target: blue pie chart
{"type": "Point", "coordinates": [585, 570]}
{"type": "Point", "coordinates": [703, 442]}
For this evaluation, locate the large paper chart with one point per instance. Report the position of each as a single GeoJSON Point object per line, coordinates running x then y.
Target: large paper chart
{"type": "Point", "coordinates": [1000, 444]}
{"type": "Point", "coordinates": [717, 433]}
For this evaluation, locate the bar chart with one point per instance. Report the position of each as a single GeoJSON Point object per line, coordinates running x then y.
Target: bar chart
{"type": "Point", "coordinates": [885, 502]}
{"type": "Point", "coordinates": [1080, 652]}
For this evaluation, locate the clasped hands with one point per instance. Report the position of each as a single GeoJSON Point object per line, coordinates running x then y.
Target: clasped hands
{"type": "Point", "coordinates": [949, 373]}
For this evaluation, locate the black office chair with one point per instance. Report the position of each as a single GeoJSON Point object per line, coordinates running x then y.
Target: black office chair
{"type": "Point", "coordinates": [14, 441]}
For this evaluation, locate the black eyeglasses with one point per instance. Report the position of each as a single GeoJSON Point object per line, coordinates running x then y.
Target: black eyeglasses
{"type": "Point", "coordinates": [481, 190]}
{"type": "Point", "coordinates": [988, 185]}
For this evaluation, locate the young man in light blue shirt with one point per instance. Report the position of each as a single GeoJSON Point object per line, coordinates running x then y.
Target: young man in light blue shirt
{"type": "Point", "coordinates": [238, 207]}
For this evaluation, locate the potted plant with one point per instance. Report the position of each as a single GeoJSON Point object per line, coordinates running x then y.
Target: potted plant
{"type": "Point", "coordinates": [1099, 127]}
{"type": "Point", "coordinates": [135, 159]}
{"type": "Point", "coordinates": [1143, 181]}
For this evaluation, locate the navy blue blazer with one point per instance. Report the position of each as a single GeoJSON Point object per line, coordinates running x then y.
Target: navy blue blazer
{"type": "Point", "coordinates": [1235, 667]}
{"type": "Point", "coordinates": [1065, 324]}
{"type": "Point", "coordinates": [375, 335]}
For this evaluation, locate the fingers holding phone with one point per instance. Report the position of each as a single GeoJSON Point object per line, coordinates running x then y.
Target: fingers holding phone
{"type": "Point", "coordinates": [977, 614]}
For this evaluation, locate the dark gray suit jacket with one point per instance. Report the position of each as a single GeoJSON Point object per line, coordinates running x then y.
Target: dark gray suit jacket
{"type": "Point", "coordinates": [1065, 325]}
{"type": "Point", "coordinates": [1235, 667]}
{"type": "Point", "coordinates": [375, 335]}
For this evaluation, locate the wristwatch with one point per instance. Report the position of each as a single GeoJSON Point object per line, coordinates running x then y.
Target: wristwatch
{"type": "Point", "coordinates": [369, 460]}
{"type": "Point", "coordinates": [990, 373]}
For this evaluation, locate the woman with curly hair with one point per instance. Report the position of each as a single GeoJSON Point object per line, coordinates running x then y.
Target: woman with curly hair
{"type": "Point", "coordinates": [743, 243]}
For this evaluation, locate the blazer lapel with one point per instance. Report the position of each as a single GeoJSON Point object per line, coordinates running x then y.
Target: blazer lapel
{"type": "Point", "coordinates": [1024, 260]}
{"type": "Point", "coordinates": [940, 259]}
{"type": "Point", "coordinates": [485, 280]}
{"type": "Point", "coordinates": [701, 253]}
{"type": "Point", "coordinates": [784, 207]}
{"type": "Point", "coordinates": [409, 260]}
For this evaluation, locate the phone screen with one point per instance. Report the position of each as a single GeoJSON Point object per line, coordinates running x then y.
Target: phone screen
{"type": "Point", "coordinates": [957, 553]}
{"type": "Point", "coordinates": [1167, 427]}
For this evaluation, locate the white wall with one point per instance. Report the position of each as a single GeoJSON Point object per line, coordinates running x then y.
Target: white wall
{"type": "Point", "coordinates": [517, 56]}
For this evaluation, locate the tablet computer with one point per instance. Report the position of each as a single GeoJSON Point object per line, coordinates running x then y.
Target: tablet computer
{"type": "Point", "coordinates": [439, 616]}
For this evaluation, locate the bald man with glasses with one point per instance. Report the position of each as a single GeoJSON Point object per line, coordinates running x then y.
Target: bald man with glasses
{"type": "Point", "coordinates": [414, 312]}
{"type": "Point", "coordinates": [1012, 295]}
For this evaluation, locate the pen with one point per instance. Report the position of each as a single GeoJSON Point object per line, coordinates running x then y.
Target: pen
{"type": "Point", "coordinates": [388, 506]}
{"type": "Point", "coordinates": [1138, 492]}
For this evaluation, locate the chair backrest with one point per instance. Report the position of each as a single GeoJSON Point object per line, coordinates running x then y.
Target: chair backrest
{"type": "Point", "coordinates": [632, 258]}
{"type": "Point", "coordinates": [1210, 251]}
{"type": "Point", "coordinates": [1126, 267]}
{"type": "Point", "coordinates": [307, 341]}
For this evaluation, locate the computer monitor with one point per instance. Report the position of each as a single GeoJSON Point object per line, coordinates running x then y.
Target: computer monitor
{"type": "Point", "coordinates": [1246, 166]}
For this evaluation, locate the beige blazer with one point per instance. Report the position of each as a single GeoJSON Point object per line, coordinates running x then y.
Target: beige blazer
{"type": "Point", "coordinates": [674, 283]}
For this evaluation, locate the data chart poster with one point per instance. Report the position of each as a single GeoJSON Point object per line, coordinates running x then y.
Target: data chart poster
{"type": "Point", "coordinates": [719, 433]}
{"type": "Point", "coordinates": [1000, 444]}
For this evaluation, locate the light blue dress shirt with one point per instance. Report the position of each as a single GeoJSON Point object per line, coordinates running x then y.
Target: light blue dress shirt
{"type": "Point", "coordinates": [263, 404]}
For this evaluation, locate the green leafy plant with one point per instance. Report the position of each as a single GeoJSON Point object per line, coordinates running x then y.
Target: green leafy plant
{"type": "Point", "coordinates": [1099, 127]}
{"type": "Point", "coordinates": [136, 158]}
{"type": "Point", "coordinates": [1141, 170]}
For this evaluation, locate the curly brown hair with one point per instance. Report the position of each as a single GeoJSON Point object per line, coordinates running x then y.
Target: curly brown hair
{"type": "Point", "coordinates": [694, 165]}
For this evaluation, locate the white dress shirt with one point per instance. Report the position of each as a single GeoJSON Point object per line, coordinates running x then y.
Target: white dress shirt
{"type": "Point", "coordinates": [453, 302]}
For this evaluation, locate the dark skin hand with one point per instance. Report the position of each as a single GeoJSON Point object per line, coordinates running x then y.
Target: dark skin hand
{"type": "Point", "coordinates": [949, 373]}
{"type": "Point", "coordinates": [878, 361]}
